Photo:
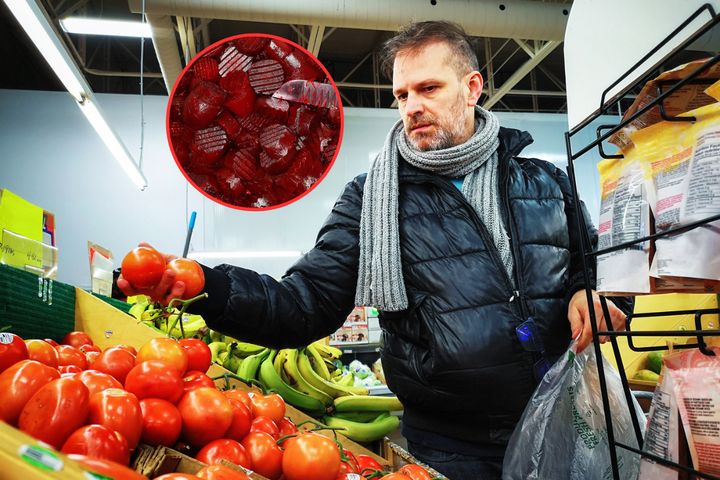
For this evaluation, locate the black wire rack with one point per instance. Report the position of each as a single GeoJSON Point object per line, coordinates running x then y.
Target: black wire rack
{"type": "Point", "coordinates": [604, 132]}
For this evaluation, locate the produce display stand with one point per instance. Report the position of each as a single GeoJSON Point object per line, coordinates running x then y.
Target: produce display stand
{"type": "Point", "coordinates": [66, 308]}
{"type": "Point", "coordinates": [603, 133]}
{"type": "Point", "coordinates": [397, 456]}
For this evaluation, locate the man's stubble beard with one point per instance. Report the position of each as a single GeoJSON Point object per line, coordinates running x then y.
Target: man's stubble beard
{"type": "Point", "coordinates": [445, 137]}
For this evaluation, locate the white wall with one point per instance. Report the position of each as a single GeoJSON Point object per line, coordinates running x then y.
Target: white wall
{"type": "Point", "coordinates": [50, 156]}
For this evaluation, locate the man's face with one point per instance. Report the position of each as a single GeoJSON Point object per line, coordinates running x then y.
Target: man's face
{"type": "Point", "coordinates": [431, 97]}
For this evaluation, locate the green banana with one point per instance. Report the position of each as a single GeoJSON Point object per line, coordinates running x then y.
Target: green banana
{"type": "Point", "coordinates": [216, 348]}
{"type": "Point", "coordinates": [272, 380]}
{"type": "Point", "coordinates": [301, 383]}
{"type": "Point", "coordinates": [249, 365]}
{"type": "Point", "coordinates": [362, 417]}
{"type": "Point", "coordinates": [317, 362]}
{"type": "Point", "coordinates": [217, 336]}
{"type": "Point", "coordinates": [364, 432]}
{"type": "Point", "coordinates": [314, 379]}
{"type": "Point", "coordinates": [231, 361]}
{"type": "Point", "coordinates": [245, 349]}
{"type": "Point", "coordinates": [326, 350]}
{"type": "Point", "coordinates": [364, 403]}
{"type": "Point", "coordinates": [345, 379]}
{"type": "Point", "coordinates": [192, 324]}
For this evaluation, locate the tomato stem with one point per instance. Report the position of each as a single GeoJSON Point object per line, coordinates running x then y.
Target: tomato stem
{"type": "Point", "coordinates": [5, 328]}
{"type": "Point", "coordinates": [251, 381]}
{"type": "Point", "coordinates": [185, 305]}
{"type": "Point", "coordinates": [286, 437]}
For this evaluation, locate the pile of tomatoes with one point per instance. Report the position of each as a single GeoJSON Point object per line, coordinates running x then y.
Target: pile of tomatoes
{"type": "Point", "coordinates": [97, 405]}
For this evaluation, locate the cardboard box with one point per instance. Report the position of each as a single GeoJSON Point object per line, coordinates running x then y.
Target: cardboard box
{"type": "Point", "coordinates": [160, 460]}
{"type": "Point", "coordinates": [397, 456]}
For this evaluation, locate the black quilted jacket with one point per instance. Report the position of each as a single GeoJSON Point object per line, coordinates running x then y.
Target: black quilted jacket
{"type": "Point", "coordinates": [453, 357]}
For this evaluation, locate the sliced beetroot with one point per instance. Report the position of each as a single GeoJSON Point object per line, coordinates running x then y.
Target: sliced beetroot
{"type": "Point", "coordinates": [228, 123]}
{"type": "Point", "coordinates": [243, 163]}
{"type": "Point", "coordinates": [333, 116]}
{"type": "Point", "coordinates": [233, 61]}
{"type": "Point", "coordinates": [278, 141]}
{"type": "Point", "coordinates": [276, 166]}
{"type": "Point", "coordinates": [252, 45]}
{"type": "Point", "coordinates": [208, 145]}
{"type": "Point", "coordinates": [254, 122]}
{"type": "Point", "coordinates": [274, 109]}
{"type": "Point", "coordinates": [230, 184]}
{"type": "Point", "coordinates": [202, 105]}
{"type": "Point", "coordinates": [206, 183]}
{"type": "Point", "coordinates": [278, 50]}
{"type": "Point", "coordinates": [248, 141]}
{"type": "Point", "coordinates": [176, 107]}
{"type": "Point", "coordinates": [306, 165]}
{"type": "Point", "coordinates": [241, 100]}
{"type": "Point", "coordinates": [297, 66]}
{"type": "Point", "coordinates": [266, 76]}
{"type": "Point", "coordinates": [302, 119]}
{"type": "Point", "coordinates": [206, 68]}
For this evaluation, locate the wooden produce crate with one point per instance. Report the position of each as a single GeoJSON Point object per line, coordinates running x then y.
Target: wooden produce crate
{"type": "Point", "coordinates": [396, 457]}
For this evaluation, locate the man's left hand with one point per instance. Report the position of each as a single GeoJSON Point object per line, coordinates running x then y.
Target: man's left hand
{"type": "Point", "coordinates": [579, 317]}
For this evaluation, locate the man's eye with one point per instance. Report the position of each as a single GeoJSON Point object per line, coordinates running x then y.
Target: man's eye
{"type": "Point", "coordinates": [430, 88]}
{"type": "Point", "coordinates": [402, 97]}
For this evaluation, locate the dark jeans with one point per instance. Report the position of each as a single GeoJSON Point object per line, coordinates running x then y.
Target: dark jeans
{"type": "Point", "coordinates": [456, 466]}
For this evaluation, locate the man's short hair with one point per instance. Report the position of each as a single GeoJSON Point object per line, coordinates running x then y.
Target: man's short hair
{"type": "Point", "coordinates": [416, 35]}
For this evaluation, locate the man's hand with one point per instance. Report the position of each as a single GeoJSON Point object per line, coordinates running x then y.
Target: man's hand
{"type": "Point", "coordinates": [579, 317]}
{"type": "Point", "coordinates": [165, 291]}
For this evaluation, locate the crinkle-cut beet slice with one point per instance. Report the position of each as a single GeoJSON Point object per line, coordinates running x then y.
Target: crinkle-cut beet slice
{"type": "Point", "coordinates": [251, 45]}
{"type": "Point", "coordinates": [278, 50]}
{"type": "Point", "coordinates": [254, 122]}
{"type": "Point", "coordinates": [208, 145]}
{"type": "Point", "coordinates": [266, 76]}
{"type": "Point", "coordinates": [248, 141]}
{"type": "Point", "coordinates": [215, 51]}
{"type": "Point", "coordinates": [179, 132]}
{"type": "Point", "coordinates": [236, 82]}
{"type": "Point", "coordinates": [229, 124]}
{"type": "Point", "coordinates": [311, 142]}
{"type": "Point", "coordinates": [278, 141]}
{"type": "Point", "coordinates": [202, 105]}
{"type": "Point", "coordinates": [329, 153]}
{"type": "Point", "coordinates": [233, 61]}
{"type": "Point", "coordinates": [206, 68]}
{"type": "Point", "coordinates": [276, 166]}
{"type": "Point", "coordinates": [297, 66]}
{"type": "Point", "coordinates": [230, 184]}
{"type": "Point", "coordinates": [206, 183]}
{"type": "Point", "coordinates": [302, 119]}
{"type": "Point", "coordinates": [274, 109]}
{"type": "Point", "coordinates": [241, 100]}
{"type": "Point", "coordinates": [286, 187]}
{"type": "Point", "coordinates": [306, 165]}
{"type": "Point", "coordinates": [243, 163]}
{"type": "Point", "coordinates": [327, 135]}
{"type": "Point", "coordinates": [332, 116]}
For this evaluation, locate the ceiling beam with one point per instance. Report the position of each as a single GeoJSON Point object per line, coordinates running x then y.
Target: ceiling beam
{"type": "Point", "coordinates": [316, 38]}
{"type": "Point", "coordinates": [520, 73]}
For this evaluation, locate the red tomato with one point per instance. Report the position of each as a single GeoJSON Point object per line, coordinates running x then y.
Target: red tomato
{"type": "Point", "coordinates": [266, 456]}
{"type": "Point", "coordinates": [199, 354]}
{"type": "Point", "coordinates": [128, 348]}
{"type": "Point", "coordinates": [286, 427]}
{"type": "Point", "coordinates": [143, 267]}
{"type": "Point", "coordinates": [76, 339]}
{"type": "Point", "coordinates": [153, 379]}
{"type": "Point", "coordinates": [51, 342]}
{"type": "Point", "coordinates": [166, 350]}
{"type": "Point", "coordinates": [224, 449]}
{"type": "Point", "coordinates": [18, 383]}
{"type": "Point", "coordinates": [55, 411]}
{"type": "Point", "coordinates": [43, 352]}
{"type": "Point", "coordinates": [311, 455]}
{"type": "Point", "coordinates": [241, 395]}
{"type": "Point", "coordinates": [415, 472]}
{"type": "Point", "coordinates": [242, 419]}
{"type": "Point", "coordinates": [12, 350]}
{"type": "Point", "coordinates": [366, 461]}
{"type": "Point", "coordinates": [264, 424]}
{"type": "Point", "coordinates": [344, 472]}
{"type": "Point", "coordinates": [190, 273]}
{"type": "Point", "coordinates": [161, 422]}
{"type": "Point", "coordinates": [271, 406]}
{"type": "Point", "coordinates": [177, 476]}
{"type": "Point", "coordinates": [351, 460]}
{"type": "Point", "coordinates": [206, 415]}
{"type": "Point", "coordinates": [68, 369]}
{"type": "Point", "coordinates": [68, 355]}
{"type": "Point", "coordinates": [97, 381]}
{"type": "Point", "coordinates": [118, 410]}
{"type": "Point", "coordinates": [394, 476]}
{"type": "Point", "coordinates": [87, 348]}
{"type": "Point", "coordinates": [106, 467]}
{"type": "Point", "coordinates": [195, 380]}
{"type": "Point", "coordinates": [115, 361]}
{"type": "Point", "coordinates": [98, 441]}
{"type": "Point", "coordinates": [91, 357]}
{"type": "Point", "coordinates": [221, 472]}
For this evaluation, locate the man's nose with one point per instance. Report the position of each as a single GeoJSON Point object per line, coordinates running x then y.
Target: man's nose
{"type": "Point", "coordinates": [413, 105]}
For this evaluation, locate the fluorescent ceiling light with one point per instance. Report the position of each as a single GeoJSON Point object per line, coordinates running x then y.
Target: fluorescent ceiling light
{"type": "Point", "coordinates": [245, 254]}
{"type": "Point", "coordinates": [36, 24]}
{"type": "Point", "coordinates": [98, 26]}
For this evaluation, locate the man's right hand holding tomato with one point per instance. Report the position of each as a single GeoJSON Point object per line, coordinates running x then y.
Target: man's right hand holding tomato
{"type": "Point", "coordinates": [162, 277]}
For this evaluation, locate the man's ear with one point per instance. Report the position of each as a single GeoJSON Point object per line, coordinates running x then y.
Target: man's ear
{"type": "Point", "coordinates": [474, 84]}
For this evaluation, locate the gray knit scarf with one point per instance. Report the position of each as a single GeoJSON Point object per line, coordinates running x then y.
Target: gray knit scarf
{"type": "Point", "coordinates": [380, 276]}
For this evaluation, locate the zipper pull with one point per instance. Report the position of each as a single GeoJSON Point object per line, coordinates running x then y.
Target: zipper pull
{"type": "Point", "coordinates": [516, 295]}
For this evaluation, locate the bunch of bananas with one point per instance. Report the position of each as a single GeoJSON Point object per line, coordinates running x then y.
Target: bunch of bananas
{"type": "Point", "coordinates": [309, 379]}
{"type": "Point", "coordinates": [167, 320]}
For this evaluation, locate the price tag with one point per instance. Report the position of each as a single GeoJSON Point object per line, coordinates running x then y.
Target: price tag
{"type": "Point", "coordinates": [40, 457]}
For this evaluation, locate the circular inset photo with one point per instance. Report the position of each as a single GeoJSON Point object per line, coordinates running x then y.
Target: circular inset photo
{"type": "Point", "coordinates": [254, 122]}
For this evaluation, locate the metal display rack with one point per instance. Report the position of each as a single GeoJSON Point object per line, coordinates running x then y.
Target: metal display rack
{"type": "Point", "coordinates": [602, 134]}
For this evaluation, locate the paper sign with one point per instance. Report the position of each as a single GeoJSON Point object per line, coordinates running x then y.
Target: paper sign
{"type": "Point", "coordinates": [21, 225]}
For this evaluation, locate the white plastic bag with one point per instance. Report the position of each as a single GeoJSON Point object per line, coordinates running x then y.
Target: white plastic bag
{"type": "Point", "coordinates": [562, 433]}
